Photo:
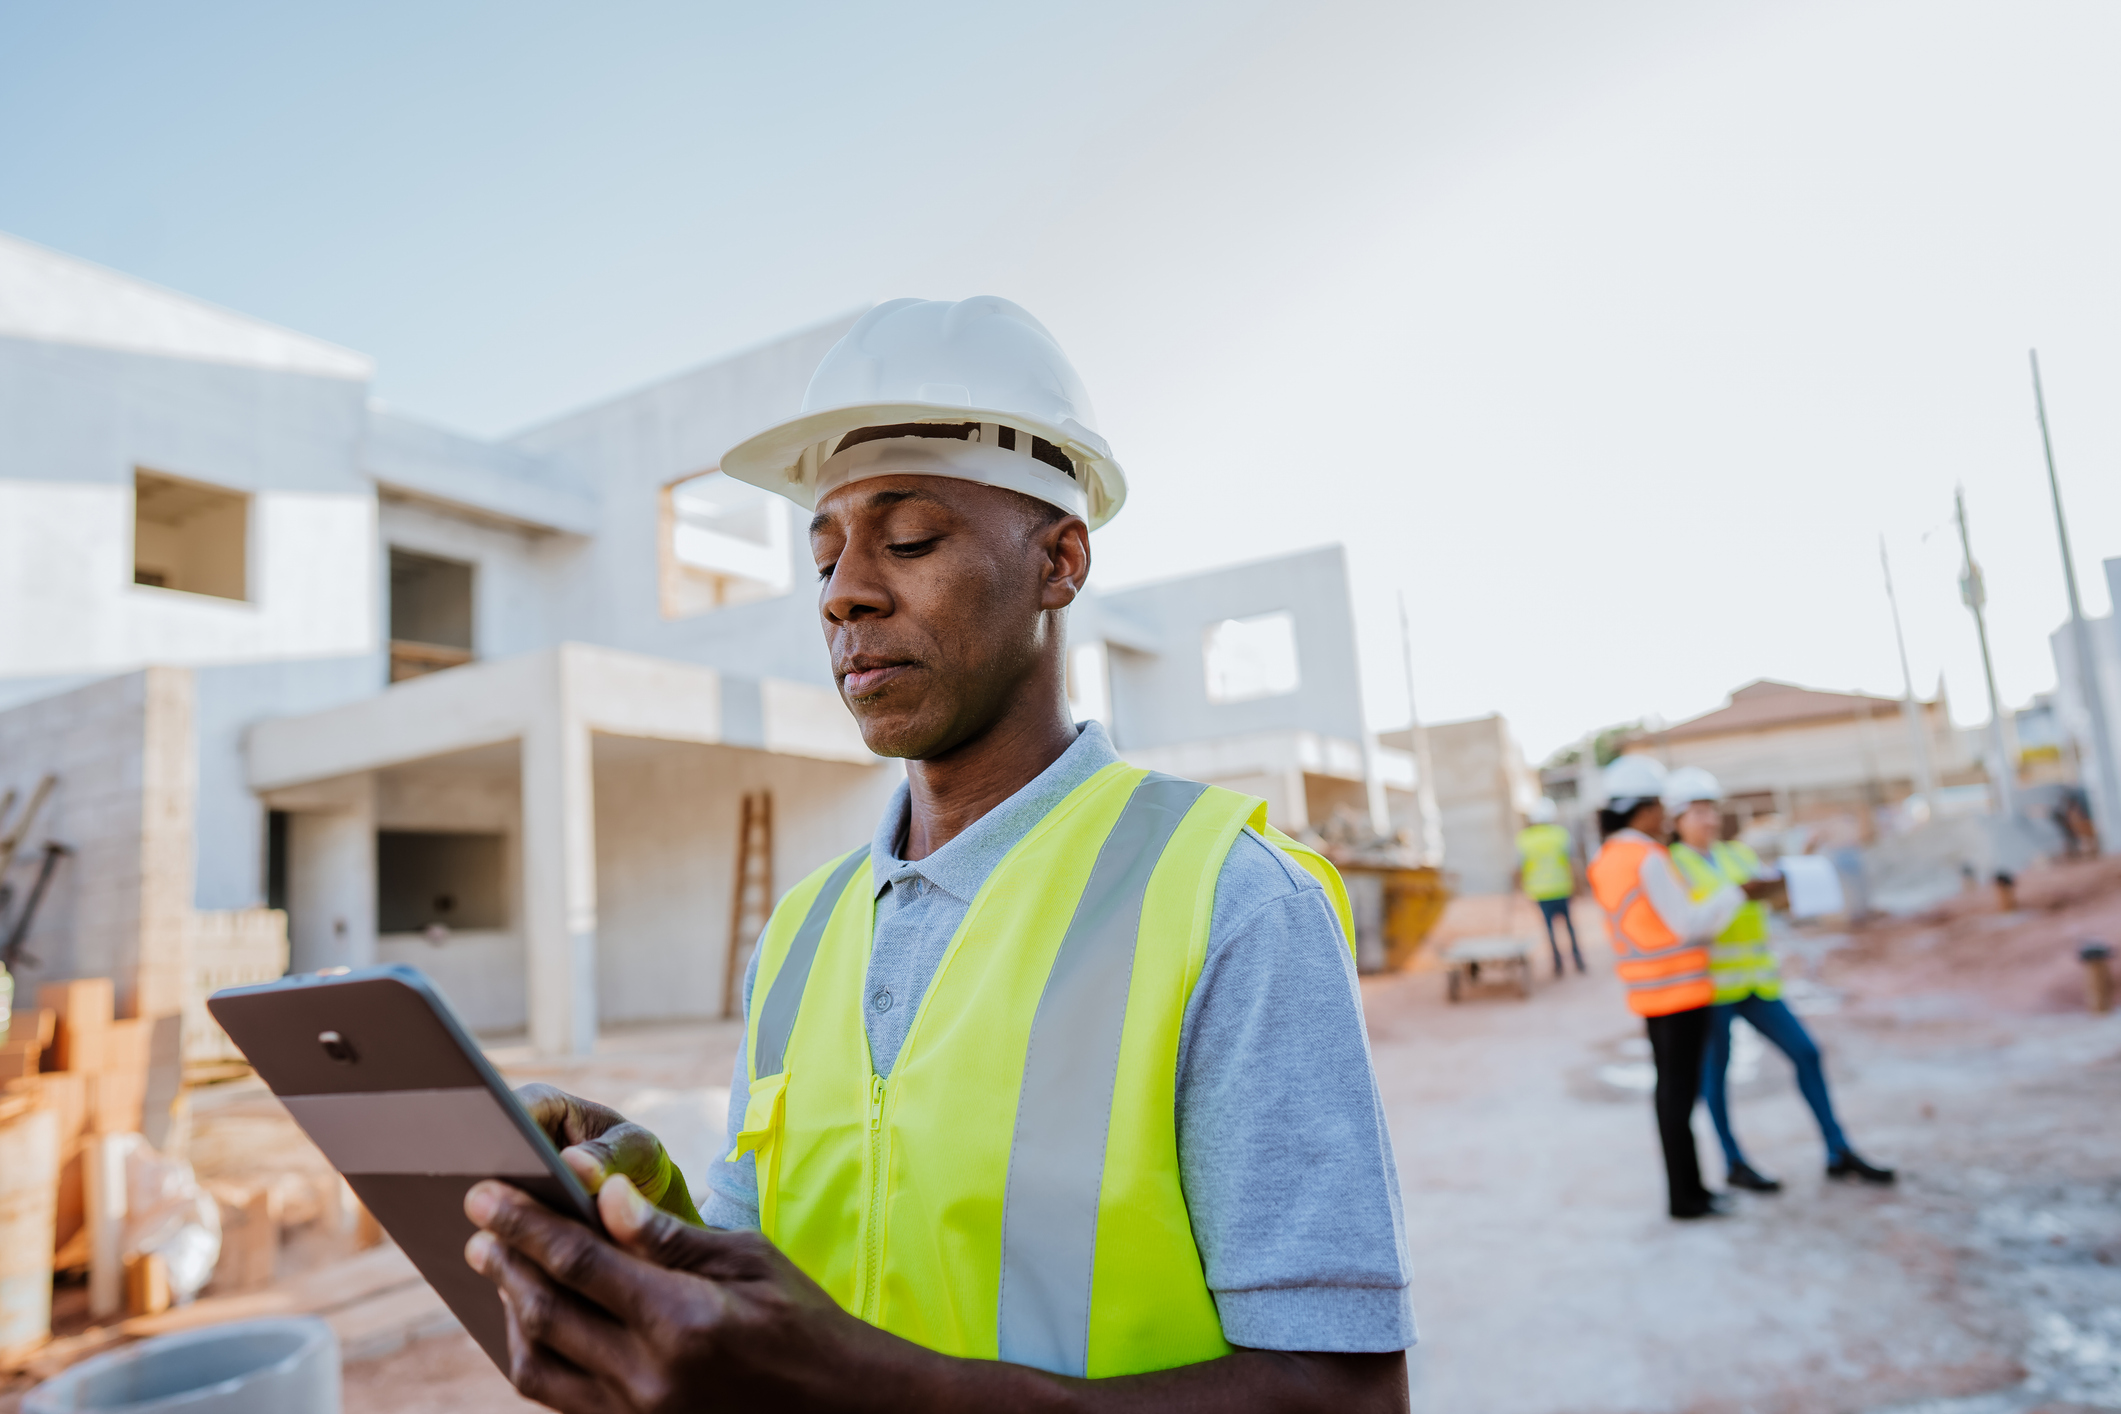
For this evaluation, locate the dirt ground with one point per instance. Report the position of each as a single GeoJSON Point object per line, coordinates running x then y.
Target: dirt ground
{"type": "Point", "coordinates": [1959, 1049]}
{"type": "Point", "coordinates": [1548, 1281]}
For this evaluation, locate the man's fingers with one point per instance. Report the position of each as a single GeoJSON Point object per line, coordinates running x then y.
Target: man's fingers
{"type": "Point", "coordinates": [655, 1236]}
{"type": "Point", "coordinates": [567, 1119]}
{"type": "Point", "coordinates": [551, 1317]}
{"type": "Point", "coordinates": [633, 1153]}
{"type": "Point", "coordinates": [573, 1256]}
{"type": "Point", "coordinates": [630, 1152]}
{"type": "Point", "coordinates": [542, 1374]}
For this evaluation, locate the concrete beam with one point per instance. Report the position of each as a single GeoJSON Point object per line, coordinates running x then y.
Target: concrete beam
{"type": "Point", "coordinates": [604, 690]}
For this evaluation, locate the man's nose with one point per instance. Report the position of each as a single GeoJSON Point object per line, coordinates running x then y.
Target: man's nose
{"type": "Point", "coordinates": [854, 592]}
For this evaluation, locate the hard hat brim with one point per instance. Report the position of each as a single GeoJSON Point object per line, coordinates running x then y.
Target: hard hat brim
{"type": "Point", "coordinates": [773, 460]}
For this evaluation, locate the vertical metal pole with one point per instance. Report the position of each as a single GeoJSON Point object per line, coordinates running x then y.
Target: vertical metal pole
{"type": "Point", "coordinates": [1917, 726]}
{"type": "Point", "coordinates": [2106, 795]}
{"type": "Point", "coordinates": [1424, 759]}
{"type": "Point", "coordinates": [1975, 593]}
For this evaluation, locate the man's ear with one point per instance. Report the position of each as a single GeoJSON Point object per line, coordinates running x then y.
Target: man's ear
{"type": "Point", "coordinates": [1066, 547]}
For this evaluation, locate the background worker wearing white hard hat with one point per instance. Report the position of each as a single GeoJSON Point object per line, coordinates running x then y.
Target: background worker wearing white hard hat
{"type": "Point", "coordinates": [1747, 983]}
{"type": "Point", "coordinates": [1017, 1102]}
{"type": "Point", "coordinates": [1660, 935]}
{"type": "Point", "coordinates": [1547, 875]}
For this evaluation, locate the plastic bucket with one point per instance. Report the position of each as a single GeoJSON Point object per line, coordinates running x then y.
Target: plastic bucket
{"type": "Point", "coordinates": [283, 1365]}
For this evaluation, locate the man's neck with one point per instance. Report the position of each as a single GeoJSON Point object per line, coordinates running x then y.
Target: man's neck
{"type": "Point", "coordinates": [947, 795]}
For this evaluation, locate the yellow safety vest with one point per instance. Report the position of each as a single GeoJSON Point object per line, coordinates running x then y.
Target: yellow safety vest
{"type": "Point", "coordinates": [1546, 862]}
{"type": "Point", "coordinates": [1012, 1190]}
{"type": "Point", "coordinates": [1741, 964]}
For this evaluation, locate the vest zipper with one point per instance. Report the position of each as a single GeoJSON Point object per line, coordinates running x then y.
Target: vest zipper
{"type": "Point", "coordinates": [873, 1245]}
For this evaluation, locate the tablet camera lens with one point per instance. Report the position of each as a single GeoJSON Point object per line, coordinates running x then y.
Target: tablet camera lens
{"type": "Point", "coordinates": [336, 1046]}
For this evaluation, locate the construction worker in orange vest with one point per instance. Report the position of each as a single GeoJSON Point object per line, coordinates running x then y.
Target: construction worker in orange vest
{"type": "Point", "coordinates": [1660, 936]}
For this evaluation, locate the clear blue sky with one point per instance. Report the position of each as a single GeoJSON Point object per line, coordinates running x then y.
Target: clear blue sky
{"type": "Point", "coordinates": [1613, 335]}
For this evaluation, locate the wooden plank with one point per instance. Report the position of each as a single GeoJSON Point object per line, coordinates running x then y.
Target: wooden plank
{"type": "Point", "coordinates": [84, 1008]}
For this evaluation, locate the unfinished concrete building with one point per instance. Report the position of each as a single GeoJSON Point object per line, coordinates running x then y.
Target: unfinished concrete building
{"type": "Point", "coordinates": [1483, 791]}
{"type": "Point", "coordinates": [1803, 756]}
{"type": "Point", "coordinates": [514, 711]}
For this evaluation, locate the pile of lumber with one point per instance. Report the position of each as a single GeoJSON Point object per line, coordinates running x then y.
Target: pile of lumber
{"type": "Point", "coordinates": [71, 1073]}
{"type": "Point", "coordinates": [91, 1068]}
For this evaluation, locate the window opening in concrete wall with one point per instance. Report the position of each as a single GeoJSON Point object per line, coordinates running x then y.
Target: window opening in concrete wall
{"type": "Point", "coordinates": [276, 859]}
{"type": "Point", "coordinates": [721, 542]}
{"type": "Point", "coordinates": [1250, 658]}
{"type": "Point", "coordinates": [430, 613]}
{"type": "Point", "coordinates": [189, 536]}
{"type": "Point", "coordinates": [430, 878]}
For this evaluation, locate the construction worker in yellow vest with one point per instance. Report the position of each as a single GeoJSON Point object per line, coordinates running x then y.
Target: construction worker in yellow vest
{"type": "Point", "coordinates": [1660, 934]}
{"type": "Point", "coordinates": [1747, 983]}
{"type": "Point", "coordinates": [1547, 876]}
{"type": "Point", "coordinates": [1056, 1092]}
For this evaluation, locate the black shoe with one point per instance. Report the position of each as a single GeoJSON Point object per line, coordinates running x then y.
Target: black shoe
{"type": "Point", "coordinates": [1713, 1205]}
{"type": "Point", "coordinates": [1745, 1176]}
{"type": "Point", "coordinates": [1847, 1167]}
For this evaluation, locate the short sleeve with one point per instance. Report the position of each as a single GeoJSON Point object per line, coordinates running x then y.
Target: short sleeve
{"type": "Point", "coordinates": [1283, 1150]}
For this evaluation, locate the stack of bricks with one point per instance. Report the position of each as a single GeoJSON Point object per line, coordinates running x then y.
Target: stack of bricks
{"type": "Point", "coordinates": [91, 1069]}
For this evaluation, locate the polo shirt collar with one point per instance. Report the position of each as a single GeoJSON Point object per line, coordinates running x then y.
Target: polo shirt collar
{"type": "Point", "coordinates": [961, 867]}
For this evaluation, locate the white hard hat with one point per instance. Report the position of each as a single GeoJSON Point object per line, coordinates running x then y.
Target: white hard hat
{"type": "Point", "coordinates": [1633, 779]}
{"type": "Point", "coordinates": [1543, 811]}
{"type": "Point", "coordinates": [1688, 784]}
{"type": "Point", "coordinates": [981, 361]}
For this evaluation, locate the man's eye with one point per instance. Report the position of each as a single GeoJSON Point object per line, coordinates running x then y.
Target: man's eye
{"type": "Point", "coordinates": [908, 549]}
{"type": "Point", "coordinates": [824, 572]}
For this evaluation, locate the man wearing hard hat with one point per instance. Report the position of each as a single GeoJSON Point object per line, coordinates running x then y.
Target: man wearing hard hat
{"type": "Point", "coordinates": [1660, 935]}
{"type": "Point", "coordinates": [1063, 1074]}
{"type": "Point", "coordinates": [1748, 984]}
{"type": "Point", "coordinates": [1548, 876]}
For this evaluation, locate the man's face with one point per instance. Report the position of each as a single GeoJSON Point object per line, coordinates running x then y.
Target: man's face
{"type": "Point", "coordinates": [934, 595]}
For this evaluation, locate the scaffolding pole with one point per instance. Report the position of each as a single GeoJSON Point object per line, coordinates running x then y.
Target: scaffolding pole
{"type": "Point", "coordinates": [2105, 796]}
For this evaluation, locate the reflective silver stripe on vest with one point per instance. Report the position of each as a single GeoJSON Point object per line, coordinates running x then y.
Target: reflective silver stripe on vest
{"type": "Point", "coordinates": [1057, 1158]}
{"type": "Point", "coordinates": [769, 1044]}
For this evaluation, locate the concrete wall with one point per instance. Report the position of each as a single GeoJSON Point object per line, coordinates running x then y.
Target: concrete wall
{"type": "Point", "coordinates": [230, 819]}
{"type": "Point", "coordinates": [2071, 706]}
{"type": "Point", "coordinates": [634, 446]}
{"type": "Point", "coordinates": [120, 906]}
{"type": "Point", "coordinates": [483, 972]}
{"type": "Point", "coordinates": [666, 840]}
{"type": "Point", "coordinates": [1482, 787]}
{"type": "Point", "coordinates": [75, 423]}
{"type": "Point", "coordinates": [503, 482]}
{"type": "Point", "coordinates": [515, 572]}
{"type": "Point", "coordinates": [1161, 698]}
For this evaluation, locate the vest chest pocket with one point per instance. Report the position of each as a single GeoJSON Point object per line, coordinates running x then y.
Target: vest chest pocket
{"type": "Point", "coordinates": [764, 1113]}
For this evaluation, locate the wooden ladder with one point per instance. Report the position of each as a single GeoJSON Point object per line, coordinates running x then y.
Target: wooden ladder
{"type": "Point", "coordinates": [751, 902]}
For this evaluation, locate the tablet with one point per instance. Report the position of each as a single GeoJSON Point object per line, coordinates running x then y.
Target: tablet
{"type": "Point", "coordinates": [384, 1079]}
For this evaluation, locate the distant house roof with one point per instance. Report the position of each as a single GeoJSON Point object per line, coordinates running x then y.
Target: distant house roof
{"type": "Point", "coordinates": [58, 299]}
{"type": "Point", "coordinates": [1766, 704]}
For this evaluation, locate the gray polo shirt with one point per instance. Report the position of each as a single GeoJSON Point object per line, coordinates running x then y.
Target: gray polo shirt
{"type": "Point", "coordinates": [1282, 1149]}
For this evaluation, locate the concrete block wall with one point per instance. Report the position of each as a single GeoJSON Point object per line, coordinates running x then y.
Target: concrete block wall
{"type": "Point", "coordinates": [120, 906]}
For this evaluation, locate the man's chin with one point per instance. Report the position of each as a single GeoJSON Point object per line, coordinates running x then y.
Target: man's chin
{"type": "Point", "coordinates": [898, 734]}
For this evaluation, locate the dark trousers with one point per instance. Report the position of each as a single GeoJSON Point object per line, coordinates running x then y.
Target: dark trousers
{"type": "Point", "coordinates": [1678, 1042]}
{"type": "Point", "coordinates": [1549, 910]}
{"type": "Point", "coordinates": [1775, 1021]}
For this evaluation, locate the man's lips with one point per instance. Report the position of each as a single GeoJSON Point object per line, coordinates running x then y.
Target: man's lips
{"type": "Point", "coordinates": [868, 677]}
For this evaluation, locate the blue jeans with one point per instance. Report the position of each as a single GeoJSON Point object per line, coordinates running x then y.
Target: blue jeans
{"type": "Point", "coordinates": [1549, 910]}
{"type": "Point", "coordinates": [1782, 1028]}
